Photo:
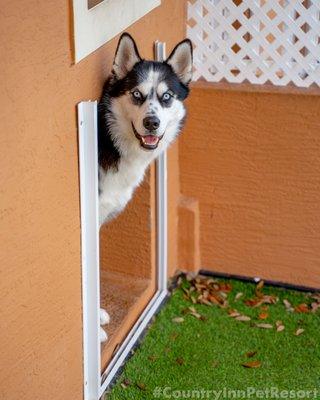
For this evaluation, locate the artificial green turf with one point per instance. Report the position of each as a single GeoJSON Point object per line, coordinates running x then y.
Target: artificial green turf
{"type": "Point", "coordinates": [208, 354]}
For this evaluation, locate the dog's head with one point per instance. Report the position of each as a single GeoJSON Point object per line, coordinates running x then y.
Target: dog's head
{"type": "Point", "coordinates": [146, 97]}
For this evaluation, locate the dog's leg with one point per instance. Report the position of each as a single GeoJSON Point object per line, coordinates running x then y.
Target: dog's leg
{"type": "Point", "coordinates": [104, 317]}
{"type": "Point", "coordinates": [104, 320]}
{"type": "Point", "coordinates": [103, 335]}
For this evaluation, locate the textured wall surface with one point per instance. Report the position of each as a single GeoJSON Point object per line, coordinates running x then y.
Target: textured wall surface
{"type": "Point", "coordinates": [40, 282]}
{"type": "Point", "coordinates": [252, 160]}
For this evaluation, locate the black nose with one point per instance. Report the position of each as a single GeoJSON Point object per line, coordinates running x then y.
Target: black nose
{"type": "Point", "coordinates": [151, 123]}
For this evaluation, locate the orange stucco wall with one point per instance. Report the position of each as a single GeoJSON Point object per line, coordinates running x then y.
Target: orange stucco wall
{"type": "Point", "coordinates": [250, 156]}
{"type": "Point", "coordinates": [40, 284]}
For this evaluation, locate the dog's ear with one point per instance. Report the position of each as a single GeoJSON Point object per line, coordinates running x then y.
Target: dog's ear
{"type": "Point", "coordinates": [126, 57]}
{"type": "Point", "coordinates": [180, 60]}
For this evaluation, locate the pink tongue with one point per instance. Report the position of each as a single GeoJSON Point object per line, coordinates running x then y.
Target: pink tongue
{"type": "Point", "coordinates": [150, 139]}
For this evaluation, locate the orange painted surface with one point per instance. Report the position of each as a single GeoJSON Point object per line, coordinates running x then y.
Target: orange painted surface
{"type": "Point", "coordinates": [189, 234]}
{"type": "Point", "coordinates": [251, 157]}
{"type": "Point", "coordinates": [40, 283]}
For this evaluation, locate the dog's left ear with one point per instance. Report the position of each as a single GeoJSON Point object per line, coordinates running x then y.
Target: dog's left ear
{"type": "Point", "coordinates": [180, 60]}
{"type": "Point", "coordinates": [126, 57]}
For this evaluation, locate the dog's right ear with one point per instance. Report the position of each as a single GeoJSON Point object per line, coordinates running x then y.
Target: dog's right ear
{"type": "Point", "coordinates": [126, 57]}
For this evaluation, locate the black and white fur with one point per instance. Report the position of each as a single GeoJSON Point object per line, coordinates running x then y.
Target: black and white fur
{"type": "Point", "coordinates": [140, 113]}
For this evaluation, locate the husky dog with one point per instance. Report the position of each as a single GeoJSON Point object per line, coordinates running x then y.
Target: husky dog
{"type": "Point", "coordinates": [140, 113]}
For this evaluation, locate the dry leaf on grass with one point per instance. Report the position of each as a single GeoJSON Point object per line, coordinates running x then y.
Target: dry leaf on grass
{"type": "Point", "coordinates": [125, 383]}
{"type": "Point", "coordinates": [180, 361]}
{"type": "Point", "coordinates": [279, 326]}
{"type": "Point", "coordinates": [196, 315]}
{"type": "Point", "coordinates": [190, 276]}
{"type": "Point", "coordinates": [215, 298]}
{"type": "Point", "coordinates": [252, 364]}
{"type": "Point", "coordinates": [243, 318]}
{"type": "Point", "coordinates": [141, 385]}
{"type": "Point", "coordinates": [302, 308]}
{"type": "Point", "coordinates": [233, 313]}
{"type": "Point", "coordinates": [315, 296]}
{"type": "Point", "coordinates": [314, 307]}
{"type": "Point", "coordinates": [194, 301]}
{"type": "Point", "coordinates": [192, 311]}
{"type": "Point", "coordinates": [263, 315]}
{"type": "Point", "coordinates": [206, 302]}
{"type": "Point", "coordinates": [179, 281]}
{"type": "Point", "coordinates": [178, 320]}
{"type": "Point", "coordinates": [258, 301]}
{"type": "Point", "coordinates": [288, 305]}
{"type": "Point", "coordinates": [251, 354]}
{"type": "Point", "coordinates": [207, 291]}
{"type": "Point", "coordinates": [215, 364]}
{"type": "Point", "coordinates": [264, 326]}
{"type": "Point", "coordinates": [299, 331]}
{"type": "Point", "coordinates": [238, 296]}
{"type": "Point", "coordinates": [152, 358]}
{"type": "Point", "coordinates": [225, 287]}
{"type": "Point", "coordinates": [174, 335]}
{"type": "Point", "coordinates": [258, 289]}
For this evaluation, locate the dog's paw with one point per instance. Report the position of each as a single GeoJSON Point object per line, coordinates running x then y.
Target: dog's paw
{"type": "Point", "coordinates": [103, 335]}
{"type": "Point", "coordinates": [104, 317]}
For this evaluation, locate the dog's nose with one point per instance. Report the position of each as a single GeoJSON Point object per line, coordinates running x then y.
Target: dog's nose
{"type": "Point", "coordinates": [151, 123]}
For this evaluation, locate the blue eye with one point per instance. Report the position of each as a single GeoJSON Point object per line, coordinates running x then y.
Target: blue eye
{"type": "Point", "coordinates": [166, 97]}
{"type": "Point", "coordinates": [136, 94]}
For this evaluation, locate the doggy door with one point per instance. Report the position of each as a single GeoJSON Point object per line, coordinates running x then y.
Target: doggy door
{"type": "Point", "coordinates": [123, 267]}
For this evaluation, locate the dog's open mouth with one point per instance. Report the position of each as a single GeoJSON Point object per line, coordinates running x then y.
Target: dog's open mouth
{"type": "Point", "coordinates": [149, 142]}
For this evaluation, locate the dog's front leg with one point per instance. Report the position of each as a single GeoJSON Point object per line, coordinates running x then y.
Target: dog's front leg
{"type": "Point", "coordinates": [104, 320]}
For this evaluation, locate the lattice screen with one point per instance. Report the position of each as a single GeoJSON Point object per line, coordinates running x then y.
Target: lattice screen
{"type": "Point", "coordinates": [256, 40]}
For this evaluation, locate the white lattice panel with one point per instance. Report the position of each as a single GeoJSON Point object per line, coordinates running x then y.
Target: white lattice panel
{"type": "Point", "coordinates": [256, 40]}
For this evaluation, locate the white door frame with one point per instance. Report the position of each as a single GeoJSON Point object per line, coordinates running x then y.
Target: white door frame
{"type": "Point", "coordinates": [95, 383]}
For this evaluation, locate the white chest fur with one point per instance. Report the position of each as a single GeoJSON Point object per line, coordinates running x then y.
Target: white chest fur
{"type": "Point", "coordinates": [116, 186]}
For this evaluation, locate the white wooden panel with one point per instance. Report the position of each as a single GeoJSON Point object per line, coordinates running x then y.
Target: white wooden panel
{"type": "Point", "coordinates": [256, 40]}
{"type": "Point", "coordinates": [95, 26]}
